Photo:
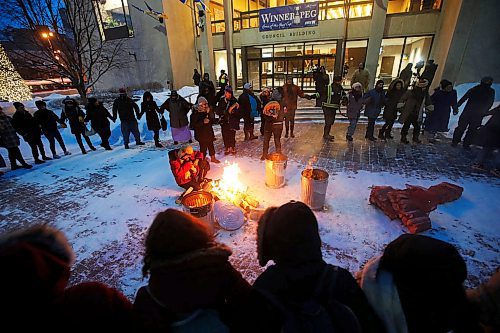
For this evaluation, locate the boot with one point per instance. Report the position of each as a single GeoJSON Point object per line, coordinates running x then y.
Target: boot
{"type": "Point", "coordinates": [388, 135]}
{"type": "Point", "coordinates": [286, 135]}
{"type": "Point", "coordinates": [108, 147]}
{"type": "Point", "coordinates": [39, 161]}
{"type": "Point", "coordinates": [252, 136]}
{"type": "Point", "coordinates": [263, 157]}
{"type": "Point", "coordinates": [348, 138]}
{"type": "Point", "coordinates": [416, 140]}
{"type": "Point", "coordinates": [291, 135]}
{"type": "Point", "coordinates": [247, 135]}
{"type": "Point", "coordinates": [92, 148]}
{"type": "Point", "coordinates": [158, 144]}
{"type": "Point", "coordinates": [404, 140]}
{"type": "Point", "coordinates": [127, 146]}
{"type": "Point", "coordinates": [56, 157]}
{"type": "Point", "coordinates": [84, 152]}
{"type": "Point", "coordinates": [381, 134]}
{"type": "Point", "coordinates": [140, 143]}
{"type": "Point", "coordinates": [227, 151]}
{"type": "Point", "coordinates": [213, 159]}
{"type": "Point", "coordinates": [176, 142]}
{"type": "Point", "coordinates": [67, 153]}
{"type": "Point", "coordinates": [46, 158]}
{"type": "Point", "coordinates": [27, 166]}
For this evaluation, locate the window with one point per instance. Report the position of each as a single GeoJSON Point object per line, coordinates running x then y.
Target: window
{"type": "Point", "coordinates": [217, 16]}
{"type": "Point", "coordinates": [239, 68]}
{"type": "Point", "coordinates": [220, 58]}
{"type": "Point", "coordinates": [114, 19]}
{"type": "Point", "coordinates": [396, 53]}
{"type": "Point", "coordinates": [355, 53]}
{"type": "Point", "coordinates": [412, 6]}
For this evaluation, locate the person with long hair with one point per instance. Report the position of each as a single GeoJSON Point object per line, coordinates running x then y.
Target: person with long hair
{"type": "Point", "coordinates": [392, 98]}
{"type": "Point", "coordinates": [444, 100]}
{"type": "Point", "coordinates": [150, 108]}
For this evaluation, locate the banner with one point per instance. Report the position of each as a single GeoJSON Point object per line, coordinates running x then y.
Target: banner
{"type": "Point", "coordinates": [287, 17]}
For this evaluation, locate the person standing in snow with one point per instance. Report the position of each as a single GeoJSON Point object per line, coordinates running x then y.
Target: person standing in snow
{"type": "Point", "coordinates": [374, 100]}
{"type": "Point", "coordinates": [488, 137]}
{"type": "Point", "coordinates": [48, 121]}
{"type": "Point", "coordinates": [189, 167]}
{"type": "Point", "coordinates": [289, 104]}
{"type": "Point", "coordinates": [202, 121]}
{"type": "Point", "coordinates": [150, 108]}
{"type": "Point", "coordinates": [335, 96]}
{"type": "Point", "coordinates": [444, 100]}
{"type": "Point", "coordinates": [76, 118]}
{"type": "Point", "coordinates": [249, 106]}
{"type": "Point", "coordinates": [414, 101]}
{"type": "Point", "coordinates": [196, 77]}
{"type": "Point", "coordinates": [229, 120]}
{"type": "Point", "coordinates": [354, 106]}
{"type": "Point", "coordinates": [362, 76]}
{"type": "Point", "coordinates": [479, 100]}
{"type": "Point", "coordinates": [10, 141]}
{"type": "Point", "coordinates": [98, 116]}
{"type": "Point", "coordinates": [321, 82]}
{"type": "Point", "coordinates": [273, 116]}
{"type": "Point", "coordinates": [178, 108]}
{"type": "Point", "coordinates": [392, 97]}
{"type": "Point", "coordinates": [207, 90]}
{"type": "Point", "coordinates": [265, 97]}
{"type": "Point", "coordinates": [26, 126]}
{"type": "Point", "coordinates": [124, 107]}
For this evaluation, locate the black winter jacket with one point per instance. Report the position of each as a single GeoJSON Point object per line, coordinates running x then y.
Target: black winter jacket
{"type": "Point", "coordinates": [479, 100]}
{"type": "Point", "coordinates": [125, 107]}
{"type": "Point", "coordinates": [47, 119]}
{"type": "Point", "coordinates": [74, 114]}
{"type": "Point", "coordinates": [26, 126]}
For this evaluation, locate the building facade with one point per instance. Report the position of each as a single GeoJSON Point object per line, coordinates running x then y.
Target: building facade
{"type": "Point", "coordinates": [461, 36]}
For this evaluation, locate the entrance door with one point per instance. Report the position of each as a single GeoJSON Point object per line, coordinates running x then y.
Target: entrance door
{"type": "Point", "coordinates": [386, 66]}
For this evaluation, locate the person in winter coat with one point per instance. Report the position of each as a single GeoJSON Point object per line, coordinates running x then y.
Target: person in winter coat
{"type": "Point", "coordinates": [207, 90]}
{"type": "Point", "coordinates": [335, 96]}
{"type": "Point", "coordinates": [321, 82]}
{"type": "Point", "coordinates": [406, 75]}
{"type": "Point", "coordinates": [374, 100]}
{"type": "Point", "coordinates": [10, 141]}
{"type": "Point", "coordinates": [150, 108]}
{"type": "Point", "coordinates": [203, 119]}
{"type": "Point", "coordinates": [488, 137]}
{"type": "Point", "coordinates": [48, 120]}
{"type": "Point", "coordinates": [429, 71]}
{"type": "Point", "coordinates": [249, 107]}
{"type": "Point", "coordinates": [417, 286]}
{"type": "Point", "coordinates": [265, 97]}
{"type": "Point", "coordinates": [222, 83]}
{"type": "Point", "coordinates": [98, 116]}
{"type": "Point", "coordinates": [124, 107]}
{"type": "Point", "coordinates": [178, 108]}
{"type": "Point", "coordinates": [479, 100]}
{"type": "Point", "coordinates": [196, 77]}
{"type": "Point", "coordinates": [415, 101]}
{"type": "Point", "coordinates": [25, 126]}
{"type": "Point", "coordinates": [273, 116]}
{"type": "Point", "coordinates": [38, 261]}
{"type": "Point", "coordinates": [289, 104]}
{"type": "Point", "coordinates": [76, 118]}
{"type": "Point", "coordinates": [443, 99]}
{"type": "Point", "coordinates": [189, 167]}
{"type": "Point", "coordinates": [288, 235]}
{"type": "Point", "coordinates": [354, 105]}
{"type": "Point", "coordinates": [229, 119]}
{"type": "Point", "coordinates": [191, 284]}
{"type": "Point", "coordinates": [392, 97]}
{"type": "Point", "coordinates": [362, 76]}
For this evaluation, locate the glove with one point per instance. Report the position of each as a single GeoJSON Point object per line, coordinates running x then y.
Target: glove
{"type": "Point", "coordinates": [80, 119]}
{"type": "Point", "coordinates": [400, 105]}
{"type": "Point", "coordinates": [63, 125]}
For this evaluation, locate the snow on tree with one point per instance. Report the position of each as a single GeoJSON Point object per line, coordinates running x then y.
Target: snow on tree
{"type": "Point", "coordinates": [12, 86]}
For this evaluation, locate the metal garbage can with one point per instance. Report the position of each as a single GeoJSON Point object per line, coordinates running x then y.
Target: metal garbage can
{"type": "Point", "coordinates": [201, 205]}
{"type": "Point", "coordinates": [275, 170]}
{"type": "Point", "coordinates": [313, 188]}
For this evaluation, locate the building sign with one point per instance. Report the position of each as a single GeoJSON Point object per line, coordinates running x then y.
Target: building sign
{"type": "Point", "coordinates": [287, 17]}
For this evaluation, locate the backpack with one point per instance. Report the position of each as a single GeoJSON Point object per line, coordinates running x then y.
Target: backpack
{"type": "Point", "coordinates": [201, 320]}
{"type": "Point", "coordinates": [317, 314]}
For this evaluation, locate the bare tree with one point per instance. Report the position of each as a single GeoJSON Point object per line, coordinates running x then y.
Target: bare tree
{"type": "Point", "coordinates": [78, 52]}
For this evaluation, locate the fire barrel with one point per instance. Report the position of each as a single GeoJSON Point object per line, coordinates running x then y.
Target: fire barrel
{"type": "Point", "coordinates": [201, 205]}
{"type": "Point", "coordinates": [275, 170]}
{"type": "Point", "coordinates": [313, 188]}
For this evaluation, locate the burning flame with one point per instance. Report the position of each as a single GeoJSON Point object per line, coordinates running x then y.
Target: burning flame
{"type": "Point", "coordinates": [229, 186]}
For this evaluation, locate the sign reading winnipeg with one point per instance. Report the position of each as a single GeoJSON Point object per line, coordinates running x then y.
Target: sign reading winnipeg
{"type": "Point", "coordinates": [287, 17]}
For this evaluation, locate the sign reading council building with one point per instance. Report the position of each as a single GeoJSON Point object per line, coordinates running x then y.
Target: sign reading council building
{"type": "Point", "coordinates": [287, 17]}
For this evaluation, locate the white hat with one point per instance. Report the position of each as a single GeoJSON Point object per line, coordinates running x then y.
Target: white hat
{"type": "Point", "coordinates": [247, 86]}
{"type": "Point", "coordinates": [356, 84]}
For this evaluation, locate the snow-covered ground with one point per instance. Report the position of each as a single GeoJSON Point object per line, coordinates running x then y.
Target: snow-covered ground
{"type": "Point", "coordinates": [105, 201]}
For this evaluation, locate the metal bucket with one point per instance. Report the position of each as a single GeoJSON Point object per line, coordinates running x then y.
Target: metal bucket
{"type": "Point", "coordinates": [275, 170]}
{"type": "Point", "coordinates": [313, 188]}
{"type": "Point", "coordinates": [201, 205]}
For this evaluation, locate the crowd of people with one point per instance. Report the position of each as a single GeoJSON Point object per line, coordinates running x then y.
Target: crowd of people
{"type": "Point", "coordinates": [407, 100]}
{"type": "Point", "coordinates": [415, 285]}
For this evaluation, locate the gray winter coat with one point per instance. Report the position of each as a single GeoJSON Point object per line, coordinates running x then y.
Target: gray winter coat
{"type": "Point", "coordinates": [178, 110]}
{"type": "Point", "coordinates": [354, 107]}
{"type": "Point", "coordinates": [414, 105]}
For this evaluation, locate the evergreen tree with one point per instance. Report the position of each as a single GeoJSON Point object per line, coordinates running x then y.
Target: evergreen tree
{"type": "Point", "coordinates": [12, 86]}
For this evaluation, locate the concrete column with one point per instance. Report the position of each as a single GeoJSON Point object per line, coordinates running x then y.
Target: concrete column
{"type": "Point", "coordinates": [228, 41]}
{"type": "Point", "coordinates": [377, 33]}
{"type": "Point", "coordinates": [244, 64]}
{"type": "Point", "coordinates": [207, 48]}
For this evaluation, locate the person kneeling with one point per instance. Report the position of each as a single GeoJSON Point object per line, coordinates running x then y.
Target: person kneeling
{"type": "Point", "coordinates": [188, 167]}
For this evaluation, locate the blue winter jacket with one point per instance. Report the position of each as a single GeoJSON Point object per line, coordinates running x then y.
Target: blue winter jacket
{"type": "Point", "coordinates": [374, 101]}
